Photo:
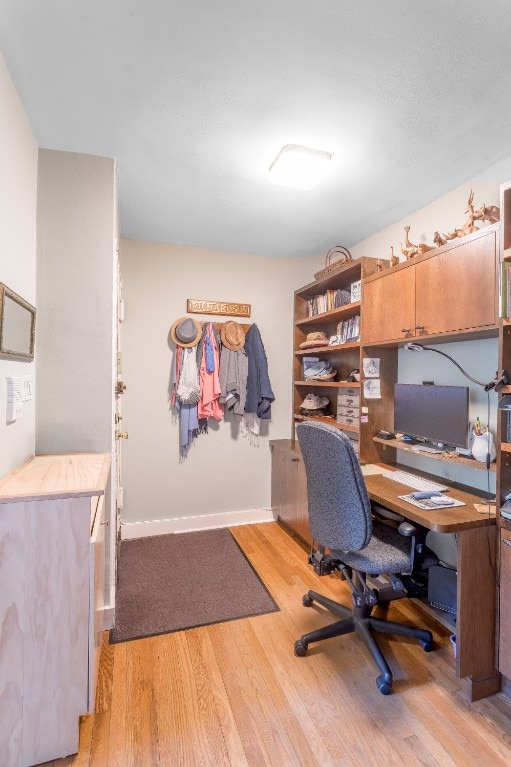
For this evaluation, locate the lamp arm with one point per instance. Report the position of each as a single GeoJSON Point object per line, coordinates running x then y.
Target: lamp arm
{"type": "Point", "coordinates": [479, 383]}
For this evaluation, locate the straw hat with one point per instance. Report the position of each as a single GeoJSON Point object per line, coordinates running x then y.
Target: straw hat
{"type": "Point", "coordinates": [314, 339]}
{"type": "Point", "coordinates": [186, 332]}
{"type": "Point", "coordinates": [232, 336]}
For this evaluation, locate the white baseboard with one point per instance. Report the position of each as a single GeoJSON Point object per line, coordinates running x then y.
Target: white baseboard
{"type": "Point", "coordinates": [130, 530]}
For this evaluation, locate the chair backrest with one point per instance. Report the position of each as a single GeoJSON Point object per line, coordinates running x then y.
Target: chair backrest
{"type": "Point", "coordinates": [339, 505]}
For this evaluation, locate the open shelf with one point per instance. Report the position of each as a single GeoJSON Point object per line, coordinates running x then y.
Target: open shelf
{"type": "Point", "coordinates": [448, 620]}
{"type": "Point", "coordinates": [460, 460]}
{"type": "Point", "coordinates": [333, 384]}
{"type": "Point", "coordinates": [332, 348]}
{"type": "Point", "coordinates": [342, 312]}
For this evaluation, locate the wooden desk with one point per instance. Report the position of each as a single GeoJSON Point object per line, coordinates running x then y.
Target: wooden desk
{"type": "Point", "coordinates": [476, 593]}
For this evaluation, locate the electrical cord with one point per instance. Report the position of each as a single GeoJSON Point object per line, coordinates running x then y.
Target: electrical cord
{"type": "Point", "coordinates": [491, 561]}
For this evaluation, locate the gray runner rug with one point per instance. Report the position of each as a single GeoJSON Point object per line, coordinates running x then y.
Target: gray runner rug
{"type": "Point", "coordinates": [179, 581]}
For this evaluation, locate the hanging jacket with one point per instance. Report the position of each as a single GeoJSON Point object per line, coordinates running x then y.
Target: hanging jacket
{"type": "Point", "coordinates": [259, 391]}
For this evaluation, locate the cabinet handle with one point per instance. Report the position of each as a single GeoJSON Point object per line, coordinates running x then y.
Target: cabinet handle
{"type": "Point", "coordinates": [405, 330]}
{"type": "Point", "coordinates": [294, 459]}
{"type": "Point", "coordinates": [504, 540]}
{"type": "Point", "coordinates": [419, 327]}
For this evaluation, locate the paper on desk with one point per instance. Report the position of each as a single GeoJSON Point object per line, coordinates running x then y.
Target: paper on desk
{"type": "Point", "coordinates": [486, 508]}
{"type": "Point", "coordinates": [428, 505]}
{"type": "Point", "coordinates": [373, 468]}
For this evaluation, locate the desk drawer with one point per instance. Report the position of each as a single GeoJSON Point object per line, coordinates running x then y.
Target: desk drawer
{"type": "Point", "coordinates": [349, 398]}
{"type": "Point", "coordinates": [347, 420]}
{"type": "Point", "coordinates": [349, 412]}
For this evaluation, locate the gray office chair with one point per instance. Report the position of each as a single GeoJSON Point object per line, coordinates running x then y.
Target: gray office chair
{"type": "Point", "coordinates": [341, 521]}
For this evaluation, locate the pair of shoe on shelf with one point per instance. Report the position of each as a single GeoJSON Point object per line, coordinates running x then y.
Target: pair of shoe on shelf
{"type": "Point", "coordinates": [320, 371]}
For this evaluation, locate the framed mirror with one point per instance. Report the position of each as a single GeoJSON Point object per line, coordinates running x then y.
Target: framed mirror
{"type": "Point", "coordinates": [17, 326]}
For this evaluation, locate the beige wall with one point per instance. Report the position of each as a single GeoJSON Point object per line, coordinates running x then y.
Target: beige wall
{"type": "Point", "coordinates": [18, 194]}
{"type": "Point", "coordinates": [223, 471]}
{"type": "Point", "coordinates": [444, 214]}
{"type": "Point", "coordinates": [75, 287]}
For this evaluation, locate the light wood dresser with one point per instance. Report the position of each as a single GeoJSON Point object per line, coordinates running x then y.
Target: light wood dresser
{"type": "Point", "coordinates": [51, 575]}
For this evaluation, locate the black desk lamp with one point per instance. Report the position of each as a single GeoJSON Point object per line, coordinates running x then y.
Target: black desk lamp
{"type": "Point", "coordinates": [500, 380]}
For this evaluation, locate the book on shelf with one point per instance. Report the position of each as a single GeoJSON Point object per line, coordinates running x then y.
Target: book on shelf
{"type": "Point", "coordinates": [325, 302]}
{"type": "Point", "coordinates": [505, 289]}
{"type": "Point", "coordinates": [349, 330]}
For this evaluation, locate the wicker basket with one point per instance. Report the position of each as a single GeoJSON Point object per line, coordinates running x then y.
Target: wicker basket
{"type": "Point", "coordinates": [338, 252]}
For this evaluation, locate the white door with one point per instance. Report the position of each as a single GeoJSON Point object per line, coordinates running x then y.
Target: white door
{"type": "Point", "coordinates": [120, 434]}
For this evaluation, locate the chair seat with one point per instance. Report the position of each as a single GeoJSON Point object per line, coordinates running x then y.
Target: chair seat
{"type": "Point", "coordinates": [387, 552]}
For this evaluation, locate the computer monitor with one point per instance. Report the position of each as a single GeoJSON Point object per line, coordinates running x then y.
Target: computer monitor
{"type": "Point", "coordinates": [438, 414]}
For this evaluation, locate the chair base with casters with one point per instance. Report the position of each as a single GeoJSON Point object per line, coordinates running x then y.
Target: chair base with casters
{"type": "Point", "coordinates": [360, 621]}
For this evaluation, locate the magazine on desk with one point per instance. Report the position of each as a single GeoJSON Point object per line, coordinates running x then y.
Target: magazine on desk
{"type": "Point", "coordinates": [429, 505]}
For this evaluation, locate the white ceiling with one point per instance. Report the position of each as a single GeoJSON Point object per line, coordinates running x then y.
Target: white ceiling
{"type": "Point", "coordinates": [195, 98]}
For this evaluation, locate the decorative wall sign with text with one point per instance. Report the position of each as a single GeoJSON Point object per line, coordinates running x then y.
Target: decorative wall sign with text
{"type": "Point", "coordinates": [196, 306]}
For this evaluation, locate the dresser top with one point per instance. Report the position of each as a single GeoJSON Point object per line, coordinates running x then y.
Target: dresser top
{"type": "Point", "coordinates": [57, 476]}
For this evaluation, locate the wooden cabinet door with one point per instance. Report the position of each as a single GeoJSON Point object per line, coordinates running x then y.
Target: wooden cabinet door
{"type": "Point", "coordinates": [301, 504]}
{"type": "Point", "coordinates": [389, 307]}
{"type": "Point", "coordinates": [289, 489]}
{"type": "Point", "coordinates": [282, 486]}
{"type": "Point", "coordinates": [456, 290]}
{"type": "Point", "coordinates": [505, 604]}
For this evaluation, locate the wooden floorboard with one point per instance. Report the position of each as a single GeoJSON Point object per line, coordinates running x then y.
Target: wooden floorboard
{"type": "Point", "coordinates": [235, 695]}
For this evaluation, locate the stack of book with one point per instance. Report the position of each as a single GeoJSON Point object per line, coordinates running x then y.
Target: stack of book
{"type": "Point", "coordinates": [349, 330]}
{"type": "Point", "coordinates": [332, 299]}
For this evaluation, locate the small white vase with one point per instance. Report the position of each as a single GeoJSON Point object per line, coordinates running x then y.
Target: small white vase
{"type": "Point", "coordinates": [482, 445]}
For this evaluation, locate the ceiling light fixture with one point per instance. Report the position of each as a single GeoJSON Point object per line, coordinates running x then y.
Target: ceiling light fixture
{"type": "Point", "coordinates": [299, 166]}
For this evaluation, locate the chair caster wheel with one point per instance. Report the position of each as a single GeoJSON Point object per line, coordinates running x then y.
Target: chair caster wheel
{"type": "Point", "coordinates": [384, 687]}
{"type": "Point", "coordinates": [426, 644]}
{"type": "Point", "coordinates": [306, 600]}
{"type": "Point", "coordinates": [300, 648]}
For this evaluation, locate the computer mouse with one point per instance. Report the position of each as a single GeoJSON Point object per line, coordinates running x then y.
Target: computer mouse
{"type": "Point", "coordinates": [441, 500]}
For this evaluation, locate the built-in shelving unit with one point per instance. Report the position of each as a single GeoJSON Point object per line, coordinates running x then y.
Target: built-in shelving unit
{"type": "Point", "coordinates": [344, 358]}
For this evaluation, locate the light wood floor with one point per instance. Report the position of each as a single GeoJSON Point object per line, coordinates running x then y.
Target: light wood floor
{"type": "Point", "coordinates": [235, 694]}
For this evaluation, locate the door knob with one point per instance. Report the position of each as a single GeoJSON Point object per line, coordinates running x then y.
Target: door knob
{"type": "Point", "coordinates": [121, 434]}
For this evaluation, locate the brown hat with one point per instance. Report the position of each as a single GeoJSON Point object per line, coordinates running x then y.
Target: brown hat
{"type": "Point", "coordinates": [232, 336]}
{"type": "Point", "coordinates": [186, 332]}
{"type": "Point", "coordinates": [314, 339]}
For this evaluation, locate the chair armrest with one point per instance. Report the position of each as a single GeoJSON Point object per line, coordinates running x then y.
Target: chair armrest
{"type": "Point", "coordinates": [408, 529]}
